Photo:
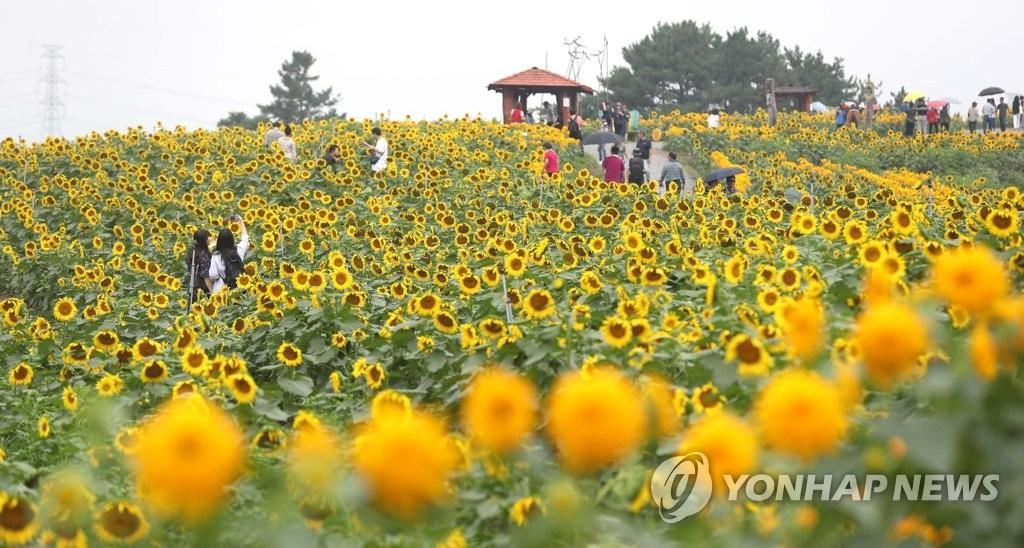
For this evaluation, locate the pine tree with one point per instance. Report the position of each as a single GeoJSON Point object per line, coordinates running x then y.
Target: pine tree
{"type": "Point", "coordinates": [294, 99]}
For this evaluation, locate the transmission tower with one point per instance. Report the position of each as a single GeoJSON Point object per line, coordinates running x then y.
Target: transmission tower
{"type": "Point", "coordinates": [53, 105]}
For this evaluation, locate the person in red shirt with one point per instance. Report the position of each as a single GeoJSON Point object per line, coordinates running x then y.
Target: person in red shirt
{"type": "Point", "coordinates": [550, 160]}
{"type": "Point", "coordinates": [516, 115]}
{"type": "Point", "coordinates": [614, 169]}
{"type": "Point", "coordinates": [933, 120]}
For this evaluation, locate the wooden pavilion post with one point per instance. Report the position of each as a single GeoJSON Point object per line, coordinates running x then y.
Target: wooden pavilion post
{"type": "Point", "coordinates": [769, 99]}
{"type": "Point", "coordinates": [508, 100]}
{"type": "Point", "coordinates": [559, 103]}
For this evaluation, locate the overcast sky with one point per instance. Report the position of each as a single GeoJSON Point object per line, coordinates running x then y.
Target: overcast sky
{"type": "Point", "coordinates": [190, 62]}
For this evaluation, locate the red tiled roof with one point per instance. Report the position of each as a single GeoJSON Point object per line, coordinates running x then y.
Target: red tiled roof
{"type": "Point", "coordinates": [795, 89]}
{"type": "Point", "coordinates": [538, 78]}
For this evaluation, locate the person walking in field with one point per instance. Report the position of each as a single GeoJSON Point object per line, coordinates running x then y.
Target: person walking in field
{"type": "Point", "coordinates": [944, 118]}
{"type": "Point", "coordinates": [921, 115]}
{"type": "Point", "coordinates": [852, 118]}
{"type": "Point", "coordinates": [272, 135]}
{"type": "Point", "coordinates": [287, 144]}
{"type": "Point", "coordinates": [637, 171]}
{"type": "Point", "coordinates": [575, 125]}
{"type": "Point", "coordinates": [910, 124]}
{"type": "Point", "coordinates": [197, 266]}
{"type": "Point", "coordinates": [621, 121]}
{"type": "Point", "coordinates": [713, 118]}
{"type": "Point", "coordinates": [226, 265]}
{"type": "Point", "coordinates": [671, 172]}
{"type": "Point", "coordinates": [1015, 111]}
{"type": "Point", "coordinates": [550, 160]}
{"type": "Point", "coordinates": [988, 115]}
{"type": "Point", "coordinates": [933, 120]}
{"type": "Point", "coordinates": [1002, 109]}
{"type": "Point", "coordinates": [972, 118]}
{"type": "Point", "coordinates": [644, 145]}
{"type": "Point", "coordinates": [613, 166]}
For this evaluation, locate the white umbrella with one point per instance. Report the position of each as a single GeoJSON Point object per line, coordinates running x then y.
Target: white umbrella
{"type": "Point", "coordinates": [818, 106]}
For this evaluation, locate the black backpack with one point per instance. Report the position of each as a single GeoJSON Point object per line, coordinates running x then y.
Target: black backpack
{"type": "Point", "coordinates": [636, 170]}
{"type": "Point", "coordinates": [232, 270]}
{"type": "Point", "coordinates": [574, 127]}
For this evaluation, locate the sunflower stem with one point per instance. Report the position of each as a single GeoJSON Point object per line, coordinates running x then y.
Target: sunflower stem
{"type": "Point", "coordinates": [508, 303]}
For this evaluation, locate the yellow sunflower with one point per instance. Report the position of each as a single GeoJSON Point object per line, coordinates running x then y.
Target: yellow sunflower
{"type": "Point", "coordinates": [499, 410]}
{"type": "Point", "coordinates": [64, 309]}
{"type": "Point", "coordinates": [120, 522]}
{"type": "Point", "coordinates": [750, 354]}
{"type": "Point", "coordinates": [289, 354]}
{"type": "Point", "coordinates": [20, 375]}
{"type": "Point", "coordinates": [538, 304]}
{"type": "Point", "coordinates": [19, 520]}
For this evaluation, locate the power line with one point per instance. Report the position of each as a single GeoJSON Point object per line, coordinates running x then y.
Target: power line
{"type": "Point", "coordinates": [18, 122]}
{"type": "Point", "coordinates": [53, 106]}
{"type": "Point", "coordinates": [161, 89]}
{"type": "Point", "coordinates": [123, 59]}
{"type": "Point", "coordinates": [125, 106]}
{"type": "Point", "coordinates": [16, 76]}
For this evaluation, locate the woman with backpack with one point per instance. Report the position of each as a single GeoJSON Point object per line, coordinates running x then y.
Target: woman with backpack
{"type": "Point", "coordinates": [226, 263]}
{"type": "Point", "coordinates": [197, 265]}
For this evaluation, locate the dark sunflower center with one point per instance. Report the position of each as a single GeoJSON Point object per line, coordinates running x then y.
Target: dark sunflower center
{"type": "Point", "coordinates": [16, 515]}
{"type": "Point", "coordinates": [120, 523]}
{"type": "Point", "coordinates": [153, 371]}
{"type": "Point", "coordinates": [747, 352]}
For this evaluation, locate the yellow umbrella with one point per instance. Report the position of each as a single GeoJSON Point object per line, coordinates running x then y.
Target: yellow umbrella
{"type": "Point", "coordinates": [913, 96]}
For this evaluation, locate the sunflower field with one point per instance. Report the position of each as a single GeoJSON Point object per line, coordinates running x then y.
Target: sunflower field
{"type": "Point", "coordinates": [460, 351]}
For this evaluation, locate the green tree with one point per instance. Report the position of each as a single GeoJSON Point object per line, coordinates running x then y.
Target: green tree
{"type": "Point", "coordinates": [689, 66]}
{"type": "Point", "coordinates": [673, 66]}
{"type": "Point", "coordinates": [896, 97]}
{"type": "Point", "coordinates": [240, 119]}
{"type": "Point", "coordinates": [807, 69]}
{"type": "Point", "coordinates": [742, 63]}
{"type": "Point", "coordinates": [294, 99]}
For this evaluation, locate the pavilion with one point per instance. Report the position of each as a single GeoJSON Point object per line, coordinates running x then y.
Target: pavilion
{"type": "Point", "coordinates": [803, 96]}
{"type": "Point", "coordinates": [518, 87]}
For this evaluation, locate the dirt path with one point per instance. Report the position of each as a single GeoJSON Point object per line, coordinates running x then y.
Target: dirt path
{"type": "Point", "coordinates": [658, 159]}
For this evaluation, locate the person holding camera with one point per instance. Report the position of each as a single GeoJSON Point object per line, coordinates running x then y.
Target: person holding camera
{"type": "Point", "coordinates": [226, 264]}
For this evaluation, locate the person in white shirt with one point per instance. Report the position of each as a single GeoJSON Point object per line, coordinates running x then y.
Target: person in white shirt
{"type": "Point", "coordinates": [378, 152]}
{"type": "Point", "coordinates": [272, 135]}
{"type": "Point", "coordinates": [713, 118]}
{"type": "Point", "coordinates": [988, 113]}
{"type": "Point", "coordinates": [287, 144]}
{"type": "Point", "coordinates": [226, 263]}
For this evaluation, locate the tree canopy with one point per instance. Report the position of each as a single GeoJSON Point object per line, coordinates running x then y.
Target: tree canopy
{"type": "Point", "coordinates": [689, 66]}
{"type": "Point", "coordinates": [294, 98]}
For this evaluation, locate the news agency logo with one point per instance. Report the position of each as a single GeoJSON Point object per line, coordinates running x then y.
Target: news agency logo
{"type": "Point", "coordinates": [681, 486]}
